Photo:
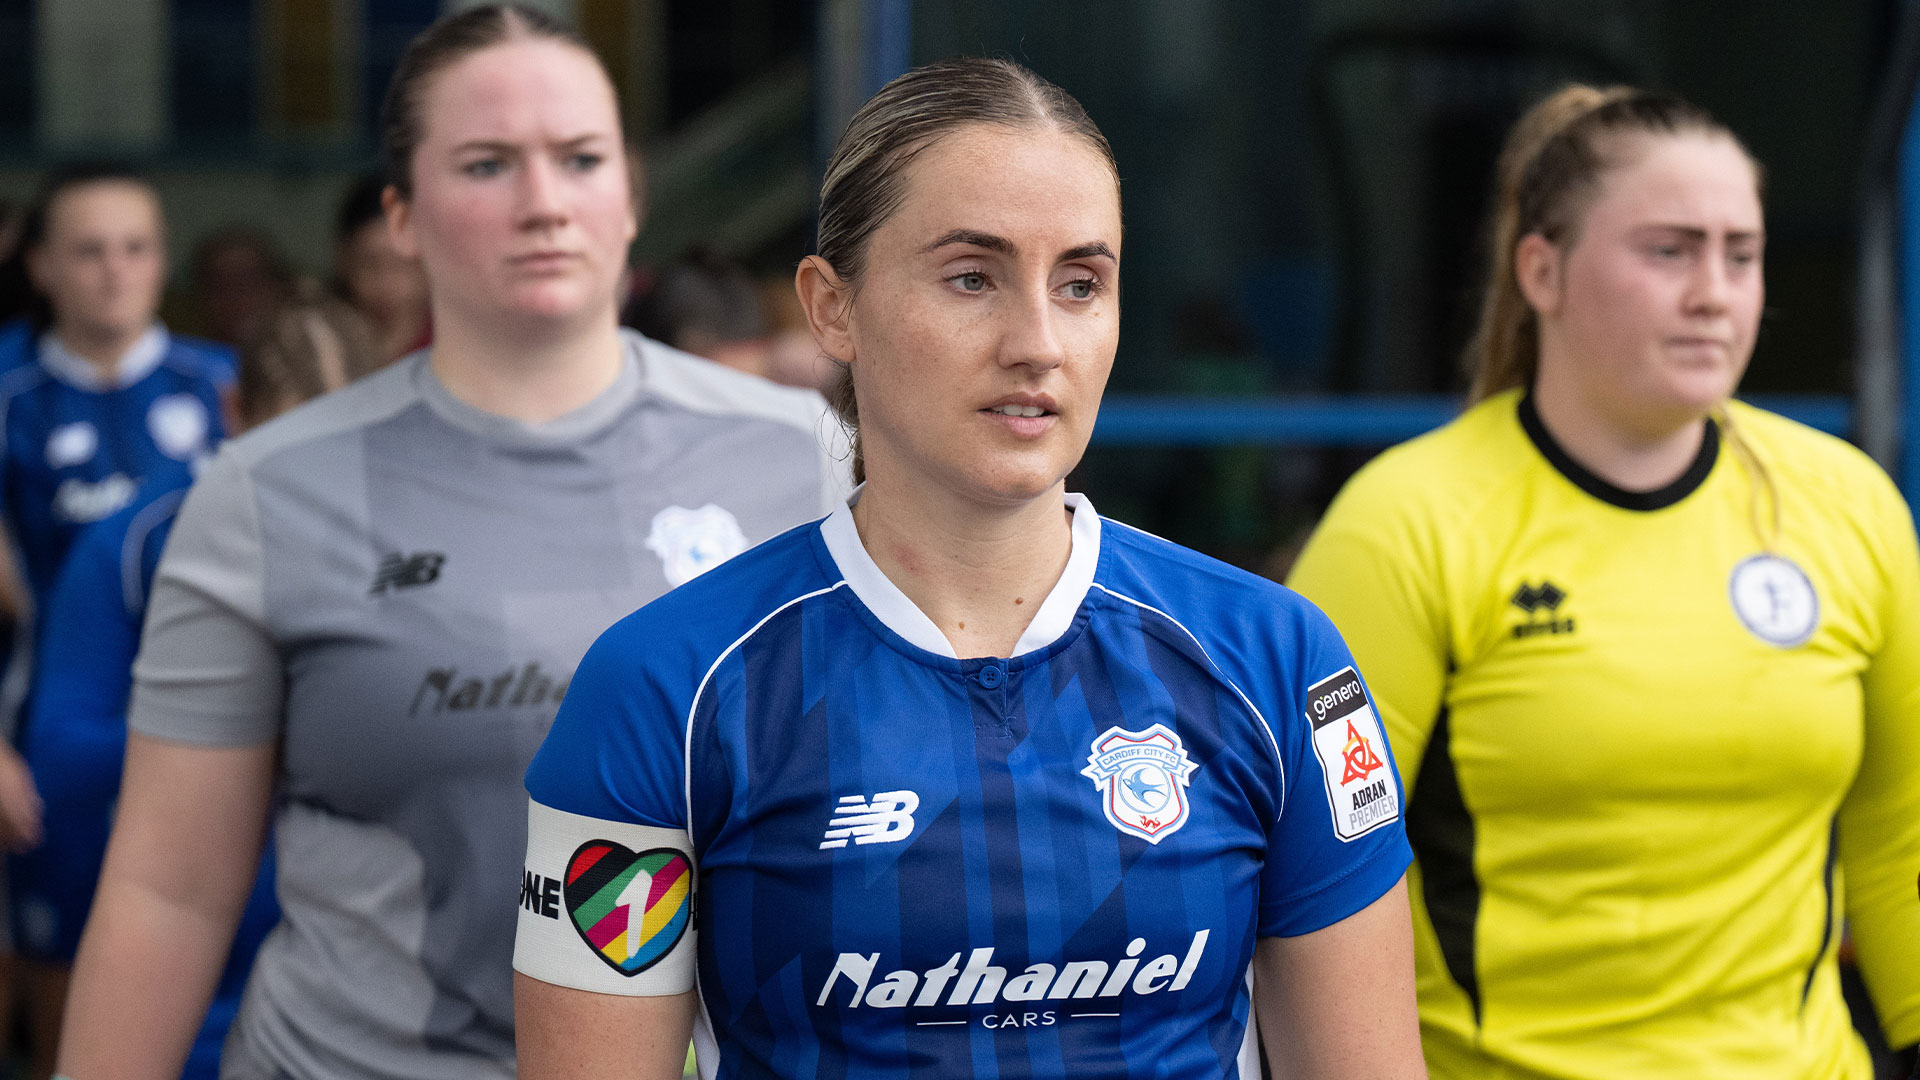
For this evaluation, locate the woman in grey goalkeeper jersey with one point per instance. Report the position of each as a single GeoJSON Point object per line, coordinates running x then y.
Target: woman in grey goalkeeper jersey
{"type": "Point", "coordinates": [371, 607]}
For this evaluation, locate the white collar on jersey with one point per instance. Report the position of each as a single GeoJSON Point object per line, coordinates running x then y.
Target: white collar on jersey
{"type": "Point", "coordinates": [135, 364]}
{"type": "Point", "coordinates": [892, 607]}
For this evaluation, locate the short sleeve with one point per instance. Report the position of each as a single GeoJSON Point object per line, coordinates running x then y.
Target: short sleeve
{"type": "Point", "coordinates": [1339, 842]}
{"type": "Point", "coordinates": [607, 891]}
{"type": "Point", "coordinates": [617, 748]}
{"type": "Point", "coordinates": [208, 672]}
{"type": "Point", "coordinates": [1369, 568]}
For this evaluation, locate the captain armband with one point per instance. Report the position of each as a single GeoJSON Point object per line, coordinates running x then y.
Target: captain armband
{"type": "Point", "coordinates": [605, 906]}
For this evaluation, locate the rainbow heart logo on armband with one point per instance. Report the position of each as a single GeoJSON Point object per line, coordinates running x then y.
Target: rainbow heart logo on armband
{"type": "Point", "coordinates": [631, 907]}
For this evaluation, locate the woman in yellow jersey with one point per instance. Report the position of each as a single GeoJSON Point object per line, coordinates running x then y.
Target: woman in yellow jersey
{"type": "Point", "coordinates": [1649, 657]}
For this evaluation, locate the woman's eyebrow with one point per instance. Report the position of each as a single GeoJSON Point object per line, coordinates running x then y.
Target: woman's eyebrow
{"type": "Point", "coordinates": [1084, 251]}
{"type": "Point", "coordinates": [1696, 234]}
{"type": "Point", "coordinates": [492, 146]}
{"type": "Point", "coordinates": [973, 237]}
{"type": "Point", "coordinates": [1002, 245]}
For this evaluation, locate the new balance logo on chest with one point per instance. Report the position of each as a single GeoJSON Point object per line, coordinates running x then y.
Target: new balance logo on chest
{"type": "Point", "coordinates": [886, 818]}
{"type": "Point", "coordinates": [399, 571]}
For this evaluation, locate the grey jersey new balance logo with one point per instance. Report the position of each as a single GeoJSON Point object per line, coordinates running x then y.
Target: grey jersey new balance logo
{"type": "Point", "coordinates": [399, 571]}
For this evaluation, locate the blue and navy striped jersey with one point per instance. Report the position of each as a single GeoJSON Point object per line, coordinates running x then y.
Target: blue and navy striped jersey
{"type": "Point", "coordinates": [77, 445]}
{"type": "Point", "coordinates": [76, 738]}
{"type": "Point", "coordinates": [1054, 864]}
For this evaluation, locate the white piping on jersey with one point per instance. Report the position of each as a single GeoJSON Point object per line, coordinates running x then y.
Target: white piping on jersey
{"type": "Point", "coordinates": [1143, 532]}
{"type": "Point", "coordinates": [706, 1047]}
{"type": "Point", "coordinates": [133, 590]}
{"type": "Point", "coordinates": [1272, 741]}
{"type": "Point", "coordinates": [701, 691]}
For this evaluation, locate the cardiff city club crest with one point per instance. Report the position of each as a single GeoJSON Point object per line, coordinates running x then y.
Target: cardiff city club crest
{"type": "Point", "coordinates": [1142, 778]}
{"type": "Point", "coordinates": [692, 542]}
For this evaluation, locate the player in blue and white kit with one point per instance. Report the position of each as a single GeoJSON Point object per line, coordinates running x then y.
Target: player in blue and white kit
{"type": "Point", "coordinates": [94, 401]}
{"type": "Point", "coordinates": [965, 780]}
{"type": "Point", "coordinates": [77, 731]}
{"type": "Point", "coordinates": [104, 396]}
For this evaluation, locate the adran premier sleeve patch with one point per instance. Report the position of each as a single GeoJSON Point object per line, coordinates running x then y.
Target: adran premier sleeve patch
{"type": "Point", "coordinates": [1361, 789]}
{"type": "Point", "coordinates": [605, 906]}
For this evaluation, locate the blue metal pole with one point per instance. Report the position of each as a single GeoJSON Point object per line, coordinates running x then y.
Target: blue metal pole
{"type": "Point", "coordinates": [889, 41]}
{"type": "Point", "coordinates": [1359, 420]}
{"type": "Point", "coordinates": [1909, 277]}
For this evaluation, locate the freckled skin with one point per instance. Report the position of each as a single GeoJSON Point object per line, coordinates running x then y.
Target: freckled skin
{"type": "Point", "coordinates": [941, 333]}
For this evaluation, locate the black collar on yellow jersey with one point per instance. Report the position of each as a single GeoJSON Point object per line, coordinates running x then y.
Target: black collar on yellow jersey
{"type": "Point", "coordinates": [1587, 481]}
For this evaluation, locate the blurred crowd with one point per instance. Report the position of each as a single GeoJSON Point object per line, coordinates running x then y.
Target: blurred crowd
{"type": "Point", "coordinates": [237, 275]}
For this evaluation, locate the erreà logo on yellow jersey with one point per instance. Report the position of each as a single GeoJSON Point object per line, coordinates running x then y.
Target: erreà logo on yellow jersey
{"type": "Point", "coordinates": [982, 982]}
{"type": "Point", "coordinates": [1541, 603]}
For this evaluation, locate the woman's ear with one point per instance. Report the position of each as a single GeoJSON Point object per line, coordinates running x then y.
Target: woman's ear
{"type": "Point", "coordinates": [1537, 270]}
{"type": "Point", "coordinates": [828, 302]}
{"type": "Point", "coordinates": [399, 215]}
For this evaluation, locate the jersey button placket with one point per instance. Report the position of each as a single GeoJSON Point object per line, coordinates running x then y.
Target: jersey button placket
{"type": "Point", "coordinates": [992, 716]}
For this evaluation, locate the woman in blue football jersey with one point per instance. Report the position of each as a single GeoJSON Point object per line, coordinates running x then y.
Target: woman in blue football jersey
{"type": "Point", "coordinates": [964, 721]}
{"type": "Point", "coordinates": [76, 734]}
{"type": "Point", "coordinates": [97, 397]}
{"type": "Point", "coordinates": [104, 396]}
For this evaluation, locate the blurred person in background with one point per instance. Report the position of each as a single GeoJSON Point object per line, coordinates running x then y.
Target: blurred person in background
{"type": "Point", "coordinates": [238, 276]}
{"type": "Point", "coordinates": [373, 605]}
{"type": "Point", "coordinates": [701, 301]}
{"type": "Point", "coordinates": [1649, 657]}
{"type": "Point", "coordinates": [76, 733]}
{"type": "Point", "coordinates": [96, 398]}
{"type": "Point", "coordinates": [16, 292]}
{"type": "Point", "coordinates": [102, 396]}
{"type": "Point", "coordinates": [709, 305]}
{"type": "Point", "coordinates": [387, 287]}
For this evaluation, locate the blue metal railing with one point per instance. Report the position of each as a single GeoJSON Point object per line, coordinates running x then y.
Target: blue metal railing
{"type": "Point", "coordinates": [1360, 420]}
{"type": "Point", "coordinates": [1305, 421]}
